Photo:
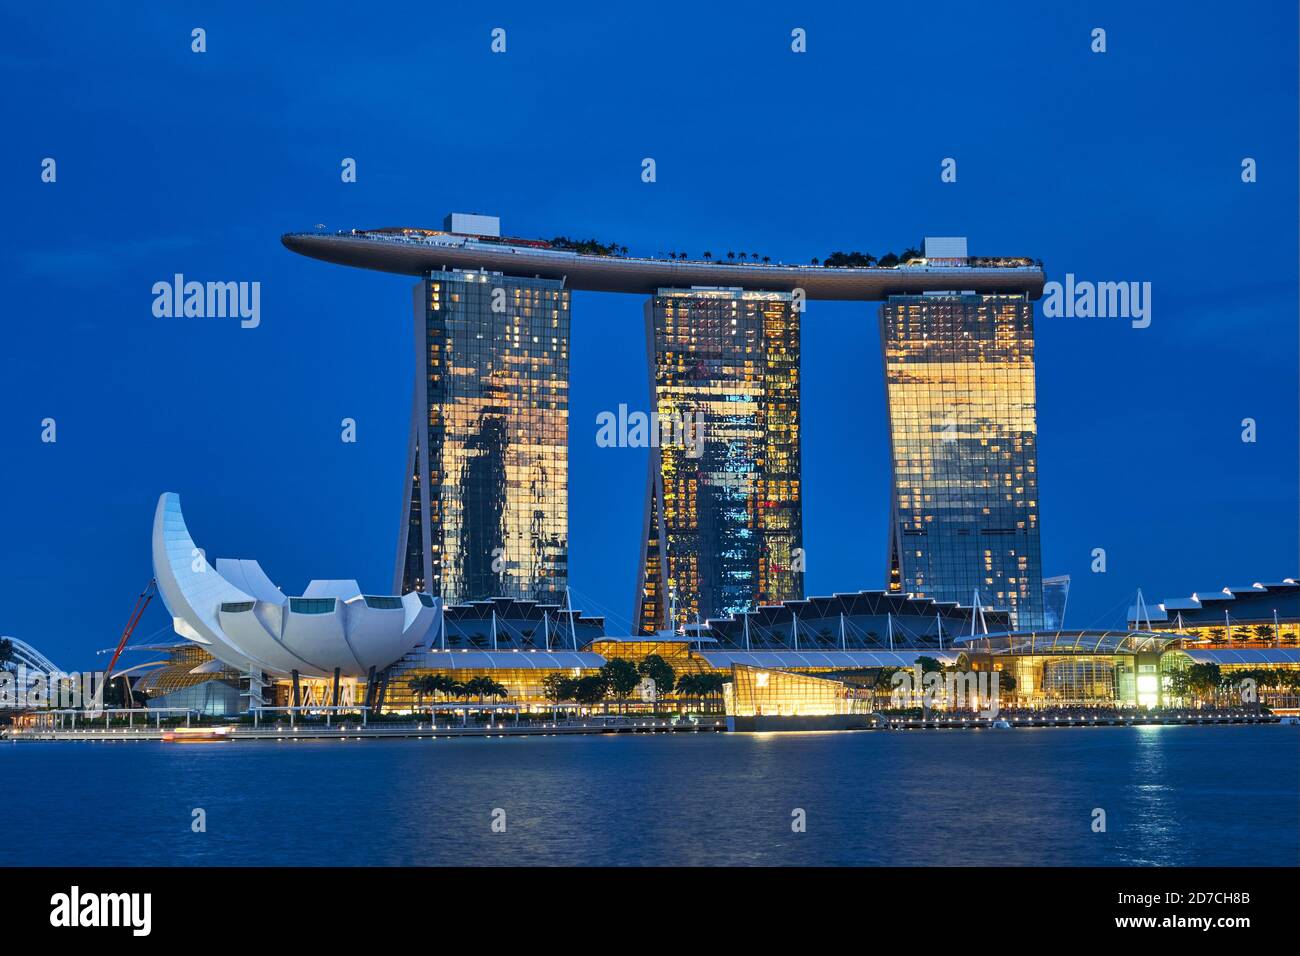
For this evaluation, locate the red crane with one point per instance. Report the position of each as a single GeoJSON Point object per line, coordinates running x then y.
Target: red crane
{"type": "Point", "coordinates": [137, 612]}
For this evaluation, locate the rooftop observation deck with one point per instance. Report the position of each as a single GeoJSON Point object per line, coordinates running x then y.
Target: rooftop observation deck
{"type": "Point", "coordinates": [417, 251]}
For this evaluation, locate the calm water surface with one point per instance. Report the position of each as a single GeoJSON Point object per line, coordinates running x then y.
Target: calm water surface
{"type": "Point", "coordinates": [1172, 795]}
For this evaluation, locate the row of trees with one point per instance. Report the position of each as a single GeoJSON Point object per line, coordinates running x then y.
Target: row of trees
{"type": "Point", "coordinates": [854, 260]}
{"type": "Point", "coordinates": [589, 247]}
{"type": "Point", "coordinates": [1210, 683]}
{"type": "Point", "coordinates": [619, 678]}
{"type": "Point", "coordinates": [863, 260]}
{"type": "Point", "coordinates": [450, 688]}
{"type": "Point", "coordinates": [1257, 633]}
{"type": "Point", "coordinates": [731, 256]}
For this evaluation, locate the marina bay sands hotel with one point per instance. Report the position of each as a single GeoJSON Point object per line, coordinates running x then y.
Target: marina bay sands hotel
{"type": "Point", "coordinates": [485, 512]}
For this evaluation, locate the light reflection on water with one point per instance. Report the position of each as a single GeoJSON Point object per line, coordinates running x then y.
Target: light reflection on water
{"type": "Point", "coordinates": [1172, 795]}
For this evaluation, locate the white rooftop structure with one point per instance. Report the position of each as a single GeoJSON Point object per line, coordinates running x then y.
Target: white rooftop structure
{"type": "Point", "coordinates": [945, 247]}
{"type": "Point", "coordinates": [472, 224]}
{"type": "Point", "coordinates": [239, 617]}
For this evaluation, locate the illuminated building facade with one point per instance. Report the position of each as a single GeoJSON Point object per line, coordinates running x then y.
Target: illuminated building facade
{"type": "Point", "coordinates": [723, 529]}
{"type": "Point", "coordinates": [521, 673]}
{"type": "Point", "coordinates": [755, 693]}
{"type": "Point", "coordinates": [1262, 615]}
{"type": "Point", "coordinates": [959, 381]}
{"type": "Point", "coordinates": [486, 504]}
{"type": "Point", "coordinates": [1084, 668]}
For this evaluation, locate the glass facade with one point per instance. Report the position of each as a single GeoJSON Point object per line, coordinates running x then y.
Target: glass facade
{"type": "Point", "coordinates": [486, 508]}
{"type": "Point", "coordinates": [756, 692]}
{"type": "Point", "coordinates": [724, 526]}
{"type": "Point", "coordinates": [959, 381]}
{"type": "Point", "coordinates": [867, 620]}
{"type": "Point", "coordinates": [1056, 595]}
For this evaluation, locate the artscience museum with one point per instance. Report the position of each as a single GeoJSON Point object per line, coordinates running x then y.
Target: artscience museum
{"type": "Point", "coordinates": [234, 612]}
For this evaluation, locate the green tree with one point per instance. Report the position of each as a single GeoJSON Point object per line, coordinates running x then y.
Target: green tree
{"type": "Point", "coordinates": [621, 677]}
{"type": "Point", "coordinates": [1178, 684]}
{"type": "Point", "coordinates": [590, 689]}
{"type": "Point", "coordinates": [712, 683]}
{"type": "Point", "coordinates": [558, 687]}
{"type": "Point", "coordinates": [425, 684]}
{"type": "Point", "coordinates": [929, 665]}
{"type": "Point", "coordinates": [1204, 680]}
{"type": "Point", "coordinates": [659, 671]}
{"type": "Point", "coordinates": [705, 684]}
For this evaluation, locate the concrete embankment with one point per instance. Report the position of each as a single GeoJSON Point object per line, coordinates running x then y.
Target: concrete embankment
{"type": "Point", "coordinates": [384, 731]}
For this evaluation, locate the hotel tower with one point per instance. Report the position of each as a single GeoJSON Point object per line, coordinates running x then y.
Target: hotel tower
{"type": "Point", "coordinates": [959, 384]}
{"type": "Point", "coordinates": [485, 513]}
{"type": "Point", "coordinates": [723, 527]}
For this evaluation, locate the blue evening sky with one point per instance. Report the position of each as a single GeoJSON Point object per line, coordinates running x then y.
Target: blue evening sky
{"type": "Point", "coordinates": [1117, 166]}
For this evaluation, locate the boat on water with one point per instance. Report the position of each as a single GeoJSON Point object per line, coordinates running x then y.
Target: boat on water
{"type": "Point", "coordinates": [196, 735]}
{"type": "Point", "coordinates": [1001, 724]}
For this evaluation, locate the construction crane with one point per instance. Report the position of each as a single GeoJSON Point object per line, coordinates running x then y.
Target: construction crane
{"type": "Point", "coordinates": [137, 612]}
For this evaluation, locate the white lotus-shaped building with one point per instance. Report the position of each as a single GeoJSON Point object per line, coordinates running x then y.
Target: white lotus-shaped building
{"type": "Point", "coordinates": [241, 618]}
